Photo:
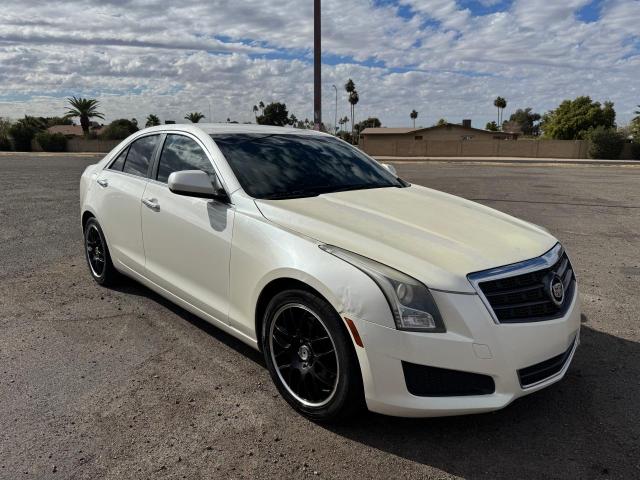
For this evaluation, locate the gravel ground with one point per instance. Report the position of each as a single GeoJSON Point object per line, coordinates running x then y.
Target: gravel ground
{"type": "Point", "coordinates": [98, 383]}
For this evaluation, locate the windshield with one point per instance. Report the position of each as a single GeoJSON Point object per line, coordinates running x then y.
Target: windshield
{"type": "Point", "coordinates": [280, 166]}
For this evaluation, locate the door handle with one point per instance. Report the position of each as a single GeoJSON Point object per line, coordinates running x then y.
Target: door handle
{"type": "Point", "coordinates": [151, 203]}
{"type": "Point", "coordinates": [103, 182]}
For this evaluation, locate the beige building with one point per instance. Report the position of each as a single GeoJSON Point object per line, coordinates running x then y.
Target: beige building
{"type": "Point", "coordinates": [453, 140]}
{"type": "Point", "coordinates": [381, 141]}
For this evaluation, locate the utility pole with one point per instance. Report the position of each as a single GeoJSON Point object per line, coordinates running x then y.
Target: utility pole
{"type": "Point", "coordinates": [335, 121]}
{"type": "Point", "coordinates": [317, 66]}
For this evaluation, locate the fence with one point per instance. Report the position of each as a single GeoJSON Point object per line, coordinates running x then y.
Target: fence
{"type": "Point", "coordinates": [379, 146]}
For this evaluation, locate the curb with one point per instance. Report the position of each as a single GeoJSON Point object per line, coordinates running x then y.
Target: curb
{"type": "Point", "coordinates": [508, 160]}
{"type": "Point", "coordinates": [51, 154]}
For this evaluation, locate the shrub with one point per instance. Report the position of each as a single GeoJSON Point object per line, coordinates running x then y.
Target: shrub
{"type": "Point", "coordinates": [5, 144]}
{"type": "Point", "coordinates": [119, 129]}
{"type": "Point", "coordinates": [22, 134]}
{"type": "Point", "coordinates": [52, 142]}
{"type": "Point", "coordinates": [635, 150]}
{"type": "Point", "coordinates": [605, 143]}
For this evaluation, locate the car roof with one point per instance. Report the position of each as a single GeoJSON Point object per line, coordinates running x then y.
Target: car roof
{"type": "Point", "coordinates": [222, 128]}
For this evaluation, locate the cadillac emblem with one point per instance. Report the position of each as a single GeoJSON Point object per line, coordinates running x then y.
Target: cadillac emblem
{"type": "Point", "coordinates": [555, 289]}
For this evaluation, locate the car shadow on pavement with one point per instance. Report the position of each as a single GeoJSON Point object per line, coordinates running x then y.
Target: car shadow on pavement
{"type": "Point", "coordinates": [132, 287]}
{"type": "Point", "coordinates": [586, 426]}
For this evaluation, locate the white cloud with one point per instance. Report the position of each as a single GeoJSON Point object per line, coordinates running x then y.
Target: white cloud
{"type": "Point", "coordinates": [144, 56]}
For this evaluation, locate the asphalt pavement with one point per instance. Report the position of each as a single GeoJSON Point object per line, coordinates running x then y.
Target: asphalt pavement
{"type": "Point", "coordinates": [120, 383]}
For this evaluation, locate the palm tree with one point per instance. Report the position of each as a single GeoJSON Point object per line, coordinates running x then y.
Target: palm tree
{"type": "Point", "coordinates": [354, 98]}
{"type": "Point", "coordinates": [85, 109]}
{"type": "Point", "coordinates": [413, 116]}
{"type": "Point", "coordinates": [261, 105]}
{"type": "Point", "coordinates": [152, 121]}
{"type": "Point", "coordinates": [500, 103]}
{"type": "Point", "coordinates": [350, 87]}
{"type": "Point", "coordinates": [194, 117]}
{"type": "Point", "coordinates": [255, 112]}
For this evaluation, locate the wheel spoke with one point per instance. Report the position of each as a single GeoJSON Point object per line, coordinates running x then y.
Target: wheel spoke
{"type": "Point", "coordinates": [304, 354]}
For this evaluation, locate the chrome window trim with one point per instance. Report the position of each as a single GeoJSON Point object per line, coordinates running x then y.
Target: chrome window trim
{"type": "Point", "coordinates": [546, 260]}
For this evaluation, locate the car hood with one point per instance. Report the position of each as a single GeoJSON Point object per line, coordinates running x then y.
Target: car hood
{"type": "Point", "coordinates": [435, 237]}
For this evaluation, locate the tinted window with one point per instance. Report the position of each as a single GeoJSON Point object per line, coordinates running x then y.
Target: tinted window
{"type": "Point", "coordinates": [181, 153]}
{"type": "Point", "coordinates": [119, 162]}
{"type": "Point", "coordinates": [140, 153]}
{"type": "Point", "coordinates": [288, 166]}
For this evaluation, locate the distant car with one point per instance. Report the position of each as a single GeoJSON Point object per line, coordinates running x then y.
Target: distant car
{"type": "Point", "coordinates": [359, 288]}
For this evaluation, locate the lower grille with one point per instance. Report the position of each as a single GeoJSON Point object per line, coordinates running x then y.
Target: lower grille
{"type": "Point", "coordinates": [424, 381]}
{"type": "Point", "coordinates": [541, 371]}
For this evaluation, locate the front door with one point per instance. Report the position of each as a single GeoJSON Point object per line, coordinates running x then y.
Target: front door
{"type": "Point", "coordinates": [187, 240]}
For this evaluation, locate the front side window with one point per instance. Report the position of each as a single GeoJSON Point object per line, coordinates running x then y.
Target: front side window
{"type": "Point", "coordinates": [140, 155]}
{"type": "Point", "coordinates": [182, 153]}
{"type": "Point", "coordinates": [280, 166]}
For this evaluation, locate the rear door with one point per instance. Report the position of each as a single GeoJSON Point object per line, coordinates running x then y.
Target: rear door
{"type": "Point", "coordinates": [187, 240]}
{"type": "Point", "coordinates": [120, 189]}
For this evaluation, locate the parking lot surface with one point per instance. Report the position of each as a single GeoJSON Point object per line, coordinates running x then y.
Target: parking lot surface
{"type": "Point", "coordinates": [98, 383]}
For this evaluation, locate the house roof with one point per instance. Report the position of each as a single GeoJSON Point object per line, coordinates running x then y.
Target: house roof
{"type": "Point", "coordinates": [66, 130]}
{"type": "Point", "coordinates": [384, 130]}
{"type": "Point", "coordinates": [396, 131]}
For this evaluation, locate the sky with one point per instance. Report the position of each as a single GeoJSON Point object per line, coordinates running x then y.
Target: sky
{"type": "Point", "coordinates": [444, 58]}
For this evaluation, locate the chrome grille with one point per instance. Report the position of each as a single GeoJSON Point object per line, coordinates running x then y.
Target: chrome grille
{"type": "Point", "coordinates": [521, 292]}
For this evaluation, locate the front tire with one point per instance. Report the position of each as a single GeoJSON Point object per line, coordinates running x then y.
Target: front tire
{"type": "Point", "coordinates": [97, 254]}
{"type": "Point", "coordinates": [310, 357]}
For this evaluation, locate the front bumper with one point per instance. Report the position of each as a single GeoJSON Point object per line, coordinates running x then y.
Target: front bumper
{"type": "Point", "coordinates": [473, 343]}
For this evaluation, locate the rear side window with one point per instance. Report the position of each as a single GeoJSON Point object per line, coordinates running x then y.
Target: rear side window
{"type": "Point", "coordinates": [119, 162]}
{"type": "Point", "coordinates": [140, 154]}
{"type": "Point", "coordinates": [182, 153]}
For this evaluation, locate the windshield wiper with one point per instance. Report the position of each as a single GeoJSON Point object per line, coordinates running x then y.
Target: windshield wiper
{"type": "Point", "coordinates": [292, 194]}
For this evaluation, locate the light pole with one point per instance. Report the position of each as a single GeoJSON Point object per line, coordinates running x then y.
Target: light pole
{"type": "Point", "coordinates": [317, 66]}
{"type": "Point", "coordinates": [335, 120]}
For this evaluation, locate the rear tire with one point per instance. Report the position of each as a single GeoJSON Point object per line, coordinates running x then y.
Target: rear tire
{"type": "Point", "coordinates": [311, 357]}
{"type": "Point", "coordinates": [97, 254]}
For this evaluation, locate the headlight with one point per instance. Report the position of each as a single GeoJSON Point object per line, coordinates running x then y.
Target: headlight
{"type": "Point", "coordinates": [410, 301]}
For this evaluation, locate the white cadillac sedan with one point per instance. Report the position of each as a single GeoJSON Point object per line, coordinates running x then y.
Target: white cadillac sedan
{"type": "Point", "coordinates": [358, 287]}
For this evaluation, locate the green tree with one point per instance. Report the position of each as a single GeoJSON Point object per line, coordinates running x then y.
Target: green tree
{"type": "Point", "coordinates": [500, 103]}
{"type": "Point", "coordinates": [371, 122]}
{"type": "Point", "coordinates": [353, 98]}
{"type": "Point", "coordinates": [5, 142]}
{"type": "Point", "coordinates": [152, 121]}
{"type": "Point", "coordinates": [634, 129]}
{"type": "Point", "coordinates": [491, 126]}
{"type": "Point", "coordinates": [527, 120]}
{"type": "Point", "coordinates": [605, 143]}
{"type": "Point", "coordinates": [274, 114]}
{"type": "Point", "coordinates": [439, 123]}
{"type": "Point", "coordinates": [573, 119]}
{"type": "Point", "coordinates": [194, 117]}
{"type": "Point", "coordinates": [23, 131]}
{"type": "Point", "coordinates": [413, 115]}
{"type": "Point", "coordinates": [85, 109]}
{"type": "Point", "coordinates": [119, 129]}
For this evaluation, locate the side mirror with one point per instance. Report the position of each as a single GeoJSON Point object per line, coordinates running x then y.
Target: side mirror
{"type": "Point", "coordinates": [391, 169]}
{"type": "Point", "coordinates": [196, 183]}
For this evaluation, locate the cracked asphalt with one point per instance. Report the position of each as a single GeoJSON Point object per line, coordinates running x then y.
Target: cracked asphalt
{"type": "Point", "coordinates": [99, 383]}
